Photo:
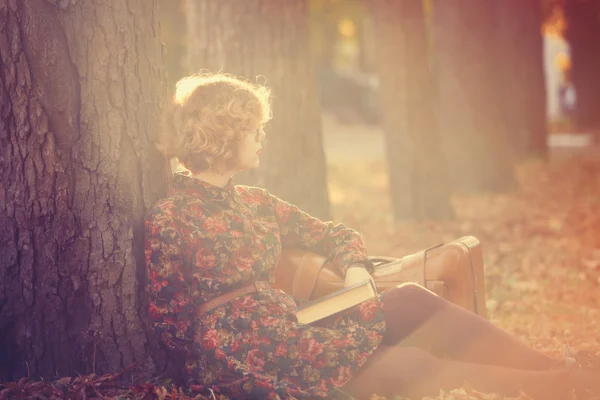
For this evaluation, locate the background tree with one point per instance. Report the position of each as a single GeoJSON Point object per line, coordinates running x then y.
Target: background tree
{"type": "Point", "coordinates": [80, 89]}
{"type": "Point", "coordinates": [409, 118]}
{"type": "Point", "coordinates": [174, 35]}
{"type": "Point", "coordinates": [269, 39]}
{"type": "Point", "coordinates": [323, 31]}
{"type": "Point", "coordinates": [474, 134]}
{"type": "Point", "coordinates": [521, 62]}
{"type": "Point", "coordinates": [583, 34]}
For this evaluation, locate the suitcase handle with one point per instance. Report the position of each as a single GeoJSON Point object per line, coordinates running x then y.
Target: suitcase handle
{"type": "Point", "coordinates": [475, 296]}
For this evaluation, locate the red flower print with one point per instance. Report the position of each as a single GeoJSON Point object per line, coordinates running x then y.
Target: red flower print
{"type": "Point", "coordinates": [267, 320]}
{"type": "Point", "coordinates": [255, 359]}
{"type": "Point", "coordinates": [154, 231]}
{"type": "Point", "coordinates": [309, 349]}
{"type": "Point", "coordinates": [374, 338]}
{"type": "Point", "coordinates": [293, 334]}
{"type": "Point", "coordinates": [323, 386]}
{"type": "Point", "coordinates": [341, 376]}
{"type": "Point", "coordinates": [182, 326]}
{"type": "Point", "coordinates": [196, 209]}
{"type": "Point", "coordinates": [235, 313]}
{"type": "Point", "coordinates": [361, 358]}
{"type": "Point", "coordinates": [368, 309]}
{"type": "Point", "coordinates": [283, 212]}
{"type": "Point", "coordinates": [154, 311]}
{"type": "Point", "coordinates": [281, 350]}
{"type": "Point", "coordinates": [235, 346]}
{"type": "Point", "coordinates": [250, 198]}
{"type": "Point", "coordinates": [341, 343]}
{"type": "Point", "coordinates": [156, 281]}
{"type": "Point", "coordinates": [205, 258]}
{"type": "Point", "coordinates": [220, 354]}
{"type": "Point", "coordinates": [316, 228]}
{"type": "Point", "coordinates": [357, 249]}
{"type": "Point", "coordinates": [214, 226]}
{"type": "Point", "coordinates": [257, 340]}
{"type": "Point", "coordinates": [260, 246]}
{"type": "Point", "coordinates": [210, 340]}
{"type": "Point", "coordinates": [237, 234]}
{"type": "Point", "coordinates": [168, 206]}
{"type": "Point", "coordinates": [248, 302]}
{"type": "Point", "coordinates": [243, 259]}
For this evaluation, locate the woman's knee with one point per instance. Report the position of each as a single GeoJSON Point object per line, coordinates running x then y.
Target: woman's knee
{"type": "Point", "coordinates": [412, 294]}
{"type": "Point", "coordinates": [407, 309]}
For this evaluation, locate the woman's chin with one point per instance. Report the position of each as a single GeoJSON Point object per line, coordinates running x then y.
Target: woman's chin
{"type": "Point", "coordinates": [251, 165]}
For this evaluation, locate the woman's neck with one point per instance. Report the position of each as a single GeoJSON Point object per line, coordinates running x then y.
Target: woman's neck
{"type": "Point", "coordinates": [214, 178]}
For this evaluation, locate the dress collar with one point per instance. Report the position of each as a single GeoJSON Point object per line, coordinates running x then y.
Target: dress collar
{"type": "Point", "coordinates": [183, 182]}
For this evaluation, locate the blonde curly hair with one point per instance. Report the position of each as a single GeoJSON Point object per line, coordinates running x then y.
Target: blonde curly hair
{"type": "Point", "coordinates": [208, 117]}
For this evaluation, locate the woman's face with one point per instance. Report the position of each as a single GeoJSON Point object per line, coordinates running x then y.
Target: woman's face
{"type": "Point", "coordinates": [249, 149]}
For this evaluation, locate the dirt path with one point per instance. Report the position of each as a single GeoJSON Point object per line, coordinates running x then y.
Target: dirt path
{"type": "Point", "coordinates": [349, 143]}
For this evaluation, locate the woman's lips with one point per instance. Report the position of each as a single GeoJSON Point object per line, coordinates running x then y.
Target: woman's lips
{"type": "Point", "coordinates": [259, 152]}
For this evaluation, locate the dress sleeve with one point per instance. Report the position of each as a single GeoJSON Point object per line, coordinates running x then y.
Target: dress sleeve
{"type": "Point", "coordinates": [342, 245]}
{"type": "Point", "coordinates": [171, 305]}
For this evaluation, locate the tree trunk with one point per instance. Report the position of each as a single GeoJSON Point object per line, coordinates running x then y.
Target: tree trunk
{"type": "Point", "coordinates": [583, 35]}
{"type": "Point", "coordinates": [416, 166]}
{"type": "Point", "coordinates": [474, 135]}
{"type": "Point", "coordinates": [79, 93]}
{"type": "Point", "coordinates": [522, 68]}
{"type": "Point", "coordinates": [267, 40]}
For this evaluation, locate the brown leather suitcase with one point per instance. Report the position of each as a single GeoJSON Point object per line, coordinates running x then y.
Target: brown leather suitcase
{"type": "Point", "coordinates": [453, 271]}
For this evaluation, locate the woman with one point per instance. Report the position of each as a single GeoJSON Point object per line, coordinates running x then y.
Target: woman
{"type": "Point", "coordinates": [210, 241]}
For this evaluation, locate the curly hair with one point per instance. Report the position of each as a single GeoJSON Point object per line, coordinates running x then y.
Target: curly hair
{"type": "Point", "coordinates": [208, 117]}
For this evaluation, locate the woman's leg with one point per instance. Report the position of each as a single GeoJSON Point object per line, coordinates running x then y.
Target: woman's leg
{"type": "Point", "coordinates": [414, 373]}
{"type": "Point", "coordinates": [412, 311]}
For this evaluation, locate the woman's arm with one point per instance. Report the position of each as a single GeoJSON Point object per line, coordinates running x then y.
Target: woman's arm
{"type": "Point", "coordinates": [171, 305]}
{"type": "Point", "coordinates": [343, 246]}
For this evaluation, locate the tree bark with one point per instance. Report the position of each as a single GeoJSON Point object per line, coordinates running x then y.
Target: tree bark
{"type": "Point", "coordinates": [583, 35]}
{"type": "Point", "coordinates": [474, 135]}
{"type": "Point", "coordinates": [522, 67]}
{"type": "Point", "coordinates": [417, 167]}
{"type": "Point", "coordinates": [80, 89]}
{"type": "Point", "coordinates": [268, 41]}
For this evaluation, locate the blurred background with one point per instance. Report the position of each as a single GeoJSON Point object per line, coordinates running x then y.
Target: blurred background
{"type": "Point", "coordinates": [448, 95]}
{"type": "Point", "coordinates": [343, 52]}
{"type": "Point", "coordinates": [417, 122]}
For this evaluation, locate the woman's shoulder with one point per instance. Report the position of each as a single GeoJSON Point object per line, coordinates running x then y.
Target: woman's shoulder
{"type": "Point", "coordinates": [251, 190]}
{"type": "Point", "coordinates": [254, 195]}
{"type": "Point", "coordinates": [166, 206]}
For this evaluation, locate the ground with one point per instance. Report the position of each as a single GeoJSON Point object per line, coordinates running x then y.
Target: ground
{"type": "Point", "coordinates": [541, 243]}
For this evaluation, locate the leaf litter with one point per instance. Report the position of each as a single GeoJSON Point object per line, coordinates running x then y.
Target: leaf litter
{"type": "Point", "coordinates": [541, 247]}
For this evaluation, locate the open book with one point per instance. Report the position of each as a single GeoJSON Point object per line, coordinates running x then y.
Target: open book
{"type": "Point", "coordinates": [335, 302]}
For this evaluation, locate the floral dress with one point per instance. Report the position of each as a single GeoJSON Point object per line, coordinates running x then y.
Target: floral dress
{"type": "Point", "coordinates": [203, 241]}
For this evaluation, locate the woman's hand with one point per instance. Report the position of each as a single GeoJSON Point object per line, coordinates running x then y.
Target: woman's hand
{"type": "Point", "coordinates": [356, 274]}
